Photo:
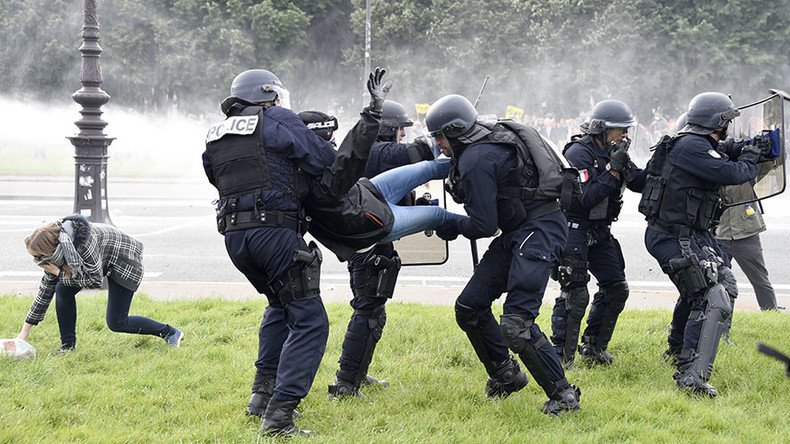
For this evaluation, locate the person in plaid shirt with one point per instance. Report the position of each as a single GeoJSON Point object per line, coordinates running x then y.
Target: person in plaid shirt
{"type": "Point", "coordinates": [75, 254]}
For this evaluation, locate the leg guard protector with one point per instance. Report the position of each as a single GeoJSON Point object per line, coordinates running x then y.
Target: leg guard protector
{"type": "Point", "coordinates": [727, 279]}
{"type": "Point", "coordinates": [576, 301]}
{"type": "Point", "coordinates": [531, 345]}
{"type": "Point", "coordinates": [614, 297]}
{"type": "Point", "coordinates": [471, 322]}
{"type": "Point", "coordinates": [364, 332]}
{"type": "Point", "coordinates": [696, 366]}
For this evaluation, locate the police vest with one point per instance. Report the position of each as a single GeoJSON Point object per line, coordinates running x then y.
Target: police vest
{"type": "Point", "coordinates": [540, 174]}
{"type": "Point", "coordinates": [604, 211]}
{"type": "Point", "coordinates": [674, 200]}
{"type": "Point", "coordinates": [242, 165]}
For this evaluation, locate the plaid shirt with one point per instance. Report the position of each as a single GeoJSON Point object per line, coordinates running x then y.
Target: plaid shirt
{"type": "Point", "coordinates": [107, 252]}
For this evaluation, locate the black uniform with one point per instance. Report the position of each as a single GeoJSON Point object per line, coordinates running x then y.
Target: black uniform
{"type": "Point", "coordinates": [679, 237]}
{"type": "Point", "coordinates": [591, 246]}
{"type": "Point", "coordinates": [518, 262]}
{"type": "Point", "coordinates": [367, 322]}
{"type": "Point", "coordinates": [260, 161]}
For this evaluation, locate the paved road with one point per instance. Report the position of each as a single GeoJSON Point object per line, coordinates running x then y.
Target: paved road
{"type": "Point", "coordinates": [185, 256]}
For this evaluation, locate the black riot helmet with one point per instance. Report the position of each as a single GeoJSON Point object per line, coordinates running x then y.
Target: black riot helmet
{"type": "Point", "coordinates": [452, 115]}
{"type": "Point", "coordinates": [254, 87]}
{"type": "Point", "coordinates": [393, 116]}
{"type": "Point", "coordinates": [320, 123]}
{"type": "Point", "coordinates": [682, 121]}
{"type": "Point", "coordinates": [608, 114]}
{"type": "Point", "coordinates": [710, 111]}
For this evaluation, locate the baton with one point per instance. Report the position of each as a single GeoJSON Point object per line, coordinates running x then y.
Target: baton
{"type": "Point", "coordinates": [473, 242]}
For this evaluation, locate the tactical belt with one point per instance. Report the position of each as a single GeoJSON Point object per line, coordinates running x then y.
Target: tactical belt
{"type": "Point", "coordinates": [242, 220]}
{"type": "Point", "coordinates": [546, 208]}
{"type": "Point", "coordinates": [674, 229]}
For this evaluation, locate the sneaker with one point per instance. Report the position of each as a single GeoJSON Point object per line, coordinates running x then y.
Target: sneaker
{"type": "Point", "coordinates": [174, 338]}
{"type": "Point", "coordinates": [372, 381]}
{"type": "Point", "coordinates": [594, 355]}
{"type": "Point", "coordinates": [694, 384]}
{"type": "Point", "coordinates": [567, 401]}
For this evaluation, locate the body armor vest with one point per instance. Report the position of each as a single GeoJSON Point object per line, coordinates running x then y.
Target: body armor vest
{"type": "Point", "coordinates": [604, 211]}
{"type": "Point", "coordinates": [675, 200]}
{"type": "Point", "coordinates": [253, 181]}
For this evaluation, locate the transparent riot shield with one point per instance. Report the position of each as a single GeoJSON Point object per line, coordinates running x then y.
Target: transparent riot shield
{"type": "Point", "coordinates": [764, 115]}
{"type": "Point", "coordinates": [425, 248]}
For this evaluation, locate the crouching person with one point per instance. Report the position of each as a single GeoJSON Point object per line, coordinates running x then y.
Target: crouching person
{"type": "Point", "coordinates": [77, 254]}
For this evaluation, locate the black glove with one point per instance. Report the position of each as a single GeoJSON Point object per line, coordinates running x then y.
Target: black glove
{"type": "Point", "coordinates": [762, 143]}
{"type": "Point", "coordinates": [378, 91]}
{"type": "Point", "coordinates": [630, 172]}
{"type": "Point", "coordinates": [449, 230]}
{"type": "Point", "coordinates": [618, 159]}
{"type": "Point", "coordinates": [750, 153]}
{"type": "Point", "coordinates": [732, 147]}
{"type": "Point", "coordinates": [419, 150]}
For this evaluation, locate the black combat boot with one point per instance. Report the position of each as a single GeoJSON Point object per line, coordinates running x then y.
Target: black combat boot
{"type": "Point", "coordinates": [690, 381]}
{"type": "Point", "coordinates": [508, 379]}
{"type": "Point", "coordinates": [591, 353]}
{"type": "Point", "coordinates": [566, 400]}
{"type": "Point", "coordinates": [278, 419]}
{"type": "Point", "coordinates": [344, 387]}
{"type": "Point", "coordinates": [262, 392]}
{"type": "Point", "coordinates": [671, 355]}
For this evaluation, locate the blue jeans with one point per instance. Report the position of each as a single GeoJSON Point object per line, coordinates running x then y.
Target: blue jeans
{"type": "Point", "coordinates": [396, 183]}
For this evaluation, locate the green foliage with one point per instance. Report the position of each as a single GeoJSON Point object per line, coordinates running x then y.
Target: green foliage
{"type": "Point", "coordinates": [130, 388]}
{"type": "Point", "coordinates": [547, 56]}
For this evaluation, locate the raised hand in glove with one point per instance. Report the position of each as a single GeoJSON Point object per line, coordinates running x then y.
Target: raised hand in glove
{"type": "Point", "coordinates": [618, 159]}
{"type": "Point", "coordinates": [449, 230]}
{"type": "Point", "coordinates": [378, 90]}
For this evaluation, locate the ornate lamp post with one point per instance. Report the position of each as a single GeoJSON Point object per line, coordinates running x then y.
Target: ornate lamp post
{"type": "Point", "coordinates": [90, 144]}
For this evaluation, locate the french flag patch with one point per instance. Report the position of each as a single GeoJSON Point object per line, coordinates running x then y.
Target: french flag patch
{"type": "Point", "coordinates": [584, 176]}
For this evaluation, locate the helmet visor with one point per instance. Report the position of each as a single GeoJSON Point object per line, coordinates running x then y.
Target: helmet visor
{"type": "Point", "coordinates": [282, 94]}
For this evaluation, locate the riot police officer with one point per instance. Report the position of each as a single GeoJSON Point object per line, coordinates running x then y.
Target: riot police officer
{"type": "Point", "coordinates": [605, 169]}
{"type": "Point", "coordinates": [681, 201]}
{"type": "Point", "coordinates": [261, 159]}
{"type": "Point", "coordinates": [500, 190]}
{"type": "Point", "coordinates": [369, 298]}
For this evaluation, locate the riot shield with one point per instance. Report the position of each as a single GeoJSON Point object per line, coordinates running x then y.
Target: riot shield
{"type": "Point", "coordinates": [764, 115]}
{"type": "Point", "coordinates": [425, 248]}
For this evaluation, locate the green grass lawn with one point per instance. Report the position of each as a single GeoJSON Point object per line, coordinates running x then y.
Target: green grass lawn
{"type": "Point", "coordinates": [130, 389]}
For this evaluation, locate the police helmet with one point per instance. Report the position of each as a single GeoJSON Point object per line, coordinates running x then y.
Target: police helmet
{"type": "Point", "coordinates": [681, 122]}
{"type": "Point", "coordinates": [255, 86]}
{"type": "Point", "coordinates": [320, 123]}
{"type": "Point", "coordinates": [393, 116]}
{"type": "Point", "coordinates": [608, 114]}
{"type": "Point", "coordinates": [452, 115]}
{"type": "Point", "coordinates": [711, 111]}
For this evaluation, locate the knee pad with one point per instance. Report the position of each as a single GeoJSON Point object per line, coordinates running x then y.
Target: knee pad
{"type": "Point", "coordinates": [377, 319]}
{"type": "Point", "coordinates": [516, 331]}
{"type": "Point", "coordinates": [615, 295]}
{"type": "Point", "coordinates": [466, 317]}
{"type": "Point", "coordinates": [719, 299]}
{"type": "Point", "coordinates": [576, 301]}
{"type": "Point", "coordinates": [727, 279]}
